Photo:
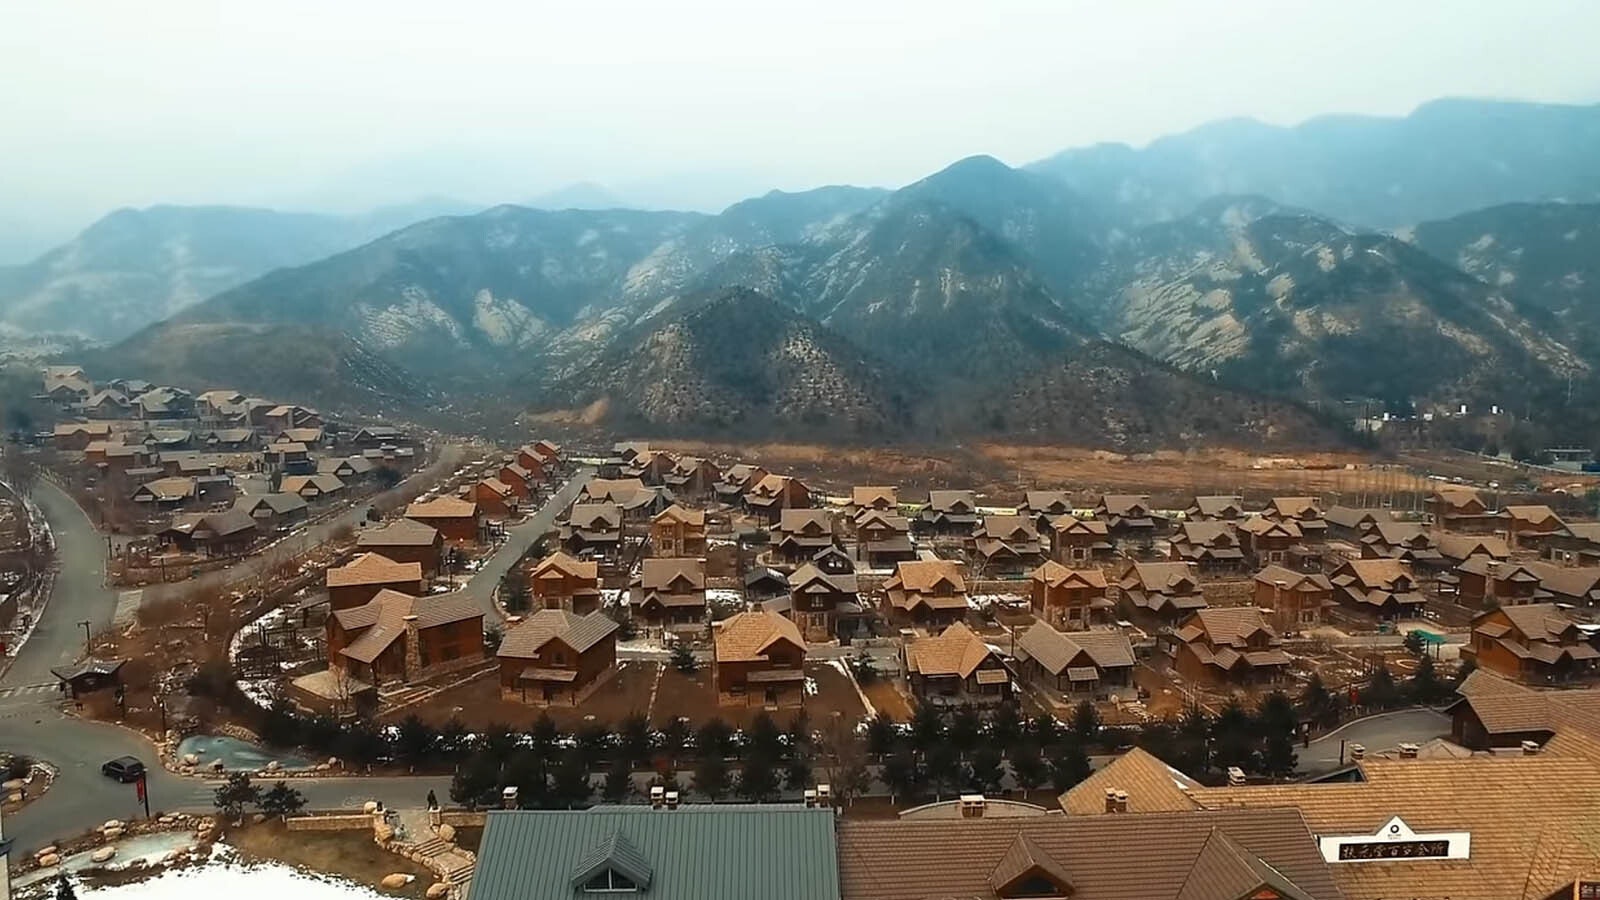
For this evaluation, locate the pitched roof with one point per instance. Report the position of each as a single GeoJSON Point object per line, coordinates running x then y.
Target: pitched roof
{"type": "Point", "coordinates": [614, 490]}
{"type": "Point", "coordinates": [1223, 870]}
{"type": "Point", "coordinates": [1161, 576]}
{"type": "Point", "coordinates": [1353, 516]}
{"type": "Point", "coordinates": [324, 482]}
{"type": "Point", "coordinates": [1532, 513]}
{"type": "Point", "coordinates": [809, 574]}
{"type": "Point", "coordinates": [523, 640]}
{"type": "Point", "coordinates": [1007, 528]}
{"type": "Point", "coordinates": [1293, 580]}
{"type": "Point", "coordinates": [694, 518]}
{"type": "Point", "coordinates": [910, 859]}
{"type": "Point", "coordinates": [177, 487]}
{"type": "Point", "coordinates": [1055, 650]}
{"type": "Point", "coordinates": [696, 852]}
{"type": "Point", "coordinates": [399, 533]}
{"type": "Point", "coordinates": [1261, 527]}
{"type": "Point", "coordinates": [1294, 506]}
{"type": "Point", "coordinates": [1537, 621]}
{"type": "Point", "coordinates": [373, 568]}
{"type": "Point", "coordinates": [887, 496]}
{"type": "Point", "coordinates": [1023, 858]}
{"type": "Point", "coordinates": [1151, 786]}
{"type": "Point", "coordinates": [747, 636]}
{"type": "Point", "coordinates": [567, 565]}
{"type": "Point", "coordinates": [957, 650]}
{"type": "Point", "coordinates": [1463, 546]}
{"type": "Point", "coordinates": [594, 516]}
{"type": "Point", "coordinates": [1569, 581]}
{"type": "Point", "coordinates": [923, 574]}
{"type": "Point", "coordinates": [1055, 575]}
{"type": "Point", "coordinates": [1378, 572]}
{"type": "Point", "coordinates": [1230, 625]}
{"type": "Point", "coordinates": [1204, 533]}
{"type": "Point", "coordinates": [657, 572]}
{"type": "Point", "coordinates": [279, 503]}
{"type": "Point", "coordinates": [1039, 501]}
{"type": "Point", "coordinates": [1122, 504]}
{"type": "Point", "coordinates": [384, 616]}
{"type": "Point", "coordinates": [1218, 504]}
{"type": "Point", "coordinates": [442, 508]}
{"type": "Point", "coordinates": [1071, 524]}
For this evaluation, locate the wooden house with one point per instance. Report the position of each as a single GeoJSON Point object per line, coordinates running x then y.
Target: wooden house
{"type": "Point", "coordinates": [955, 667]}
{"type": "Point", "coordinates": [949, 513]}
{"type": "Point", "coordinates": [1481, 581]}
{"type": "Point", "coordinates": [1384, 588]}
{"type": "Point", "coordinates": [770, 497]}
{"type": "Point", "coordinates": [361, 579]}
{"type": "Point", "coordinates": [1460, 508]}
{"type": "Point", "coordinates": [883, 538]}
{"type": "Point", "coordinates": [1130, 518]}
{"type": "Point", "coordinates": [1070, 599]}
{"type": "Point", "coordinates": [1302, 511]}
{"type": "Point", "coordinates": [593, 527]}
{"type": "Point", "coordinates": [1075, 541]}
{"type": "Point", "coordinates": [494, 498]}
{"type": "Point", "coordinates": [676, 531]}
{"type": "Point", "coordinates": [276, 510]}
{"type": "Point", "coordinates": [873, 498]}
{"type": "Point", "coordinates": [561, 582]}
{"type": "Point", "coordinates": [926, 592]}
{"type": "Point", "coordinates": [759, 661]}
{"type": "Point", "coordinates": [227, 533]}
{"type": "Point", "coordinates": [456, 519]}
{"type": "Point", "coordinates": [1160, 593]}
{"type": "Point", "coordinates": [1007, 545]}
{"type": "Point", "coordinates": [693, 476]}
{"type": "Point", "coordinates": [1296, 600]}
{"type": "Point", "coordinates": [519, 478]}
{"type": "Point", "coordinates": [825, 606]}
{"type": "Point", "coordinates": [1455, 549]}
{"type": "Point", "coordinates": [1043, 506]}
{"type": "Point", "coordinates": [1401, 540]}
{"type": "Point", "coordinates": [1351, 523]}
{"type": "Point", "coordinates": [1215, 508]}
{"type": "Point", "coordinates": [397, 637]}
{"type": "Point", "coordinates": [670, 594]}
{"type": "Point", "coordinates": [556, 656]}
{"type": "Point", "coordinates": [735, 481]}
{"type": "Point", "coordinates": [1537, 643]}
{"type": "Point", "coordinates": [1529, 526]}
{"type": "Point", "coordinates": [1211, 545]}
{"type": "Point", "coordinates": [404, 540]}
{"type": "Point", "coordinates": [1229, 645]}
{"type": "Point", "coordinates": [1273, 542]}
{"type": "Point", "coordinates": [1077, 664]}
{"type": "Point", "coordinates": [801, 533]}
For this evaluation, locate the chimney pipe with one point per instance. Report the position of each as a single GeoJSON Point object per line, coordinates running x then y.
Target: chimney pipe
{"type": "Point", "coordinates": [1530, 748]}
{"type": "Point", "coordinates": [1408, 750]}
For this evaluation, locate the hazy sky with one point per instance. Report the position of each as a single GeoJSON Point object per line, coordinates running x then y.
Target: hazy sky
{"type": "Point", "coordinates": [348, 104]}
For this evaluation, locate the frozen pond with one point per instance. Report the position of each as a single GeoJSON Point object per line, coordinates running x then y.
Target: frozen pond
{"type": "Point", "coordinates": [236, 754]}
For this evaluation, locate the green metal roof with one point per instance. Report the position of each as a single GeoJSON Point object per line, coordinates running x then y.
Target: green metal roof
{"type": "Point", "coordinates": [695, 852]}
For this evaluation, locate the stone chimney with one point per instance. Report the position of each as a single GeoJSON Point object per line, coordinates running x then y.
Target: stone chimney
{"type": "Point", "coordinates": [1122, 801]}
{"type": "Point", "coordinates": [972, 806]}
{"type": "Point", "coordinates": [1111, 800]}
{"type": "Point", "coordinates": [1408, 750]}
{"type": "Point", "coordinates": [1530, 748]}
{"type": "Point", "coordinates": [413, 663]}
{"type": "Point", "coordinates": [1235, 776]}
{"type": "Point", "coordinates": [672, 799]}
{"type": "Point", "coordinates": [658, 796]}
{"type": "Point", "coordinates": [508, 797]}
{"type": "Point", "coordinates": [824, 795]}
{"type": "Point", "coordinates": [1357, 753]}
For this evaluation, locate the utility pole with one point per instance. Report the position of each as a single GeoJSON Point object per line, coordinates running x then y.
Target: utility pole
{"type": "Point", "coordinates": [88, 639]}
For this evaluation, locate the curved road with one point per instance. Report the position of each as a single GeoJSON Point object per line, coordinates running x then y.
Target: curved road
{"type": "Point", "coordinates": [31, 722]}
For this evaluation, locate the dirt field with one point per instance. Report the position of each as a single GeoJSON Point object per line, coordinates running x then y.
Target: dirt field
{"type": "Point", "coordinates": [351, 854]}
{"type": "Point", "coordinates": [656, 689]}
{"type": "Point", "coordinates": [888, 700]}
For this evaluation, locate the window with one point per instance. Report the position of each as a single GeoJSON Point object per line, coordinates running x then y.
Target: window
{"type": "Point", "coordinates": [1034, 886]}
{"type": "Point", "coordinates": [609, 881]}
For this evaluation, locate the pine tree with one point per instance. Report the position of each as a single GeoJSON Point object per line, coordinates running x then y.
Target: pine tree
{"type": "Point", "coordinates": [711, 777]}
{"type": "Point", "coordinates": [1069, 765]}
{"type": "Point", "coordinates": [64, 889]}
{"type": "Point", "coordinates": [1426, 687]}
{"type": "Point", "coordinates": [282, 801]}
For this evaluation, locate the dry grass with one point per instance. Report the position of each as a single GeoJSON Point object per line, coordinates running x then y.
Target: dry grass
{"type": "Point", "coordinates": [887, 699]}
{"type": "Point", "coordinates": [350, 854]}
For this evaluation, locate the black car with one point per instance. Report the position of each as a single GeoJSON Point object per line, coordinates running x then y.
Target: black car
{"type": "Point", "coordinates": [123, 769]}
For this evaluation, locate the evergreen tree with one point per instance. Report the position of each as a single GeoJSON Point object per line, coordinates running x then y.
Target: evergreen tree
{"type": "Point", "coordinates": [963, 732]}
{"type": "Point", "coordinates": [1028, 767]}
{"type": "Point", "coordinates": [942, 768]}
{"type": "Point", "coordinates": [64, 889]}
{"type": "Point", "coordinates": [1046, 731]}
{"type": "Point", "coordinates": [1278, 722]}
{"type": "Point", "coordinates": [475, 778]}
{"type": "Point", "coordinates": [1466, 668]}
{"type": "Point", "coordinates": [711, 776]}
{"type": "Point", "coordinates": [1426, 687]}
{"type": "Point", "coordinates": [232, 796]}
{"type": "Point", "coordinates": [714, 739]}
{"type": "Point", "coordinates": [674, 738]}
{"type": "Point", "coordinates": [1382, 692]}
{"type": "Point", "coordinates": [986, 769]}
{"type": "Point", "coordinates": [758, 782]}
{"type": "Point", "coordinates": [902, 775]}
{"type": "Point", "coordinates": [683, 659]}
{"type": "Point", "coordinates": [1414, 643]}
{"type": "Point", "coordinates": [763, 737]}
{"type": "Point", "coordinates": [619, 780]}
{"type": "Point", "coordinates": [1193, 735]}
{"type": "Point", "coordinates": [1233, 738]}
{"type": "Point", "coordinates": [415, 740]}
{"type": "Point", "coordinates": [570, 787]}
{"type": "Point", "coordinates": [1069, 765]}
{"type": "Point", "coordinates": [1086, 722]}
{"type": "Point", "coordinates": [927, 728]}
{"type": "Point", "coordinates": [282, 801]}
{"type": "Point", "coordinates": [881, 735]}
{"type": "Point", "coordinates": [1005, 727]}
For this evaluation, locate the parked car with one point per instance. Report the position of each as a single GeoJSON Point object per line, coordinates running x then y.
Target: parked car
{"type": "Point", "coordinates": [123, 769]}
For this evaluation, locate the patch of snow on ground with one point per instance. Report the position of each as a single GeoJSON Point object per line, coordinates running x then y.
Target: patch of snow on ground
{"type": "Point", "coordinates": [225, 876]}
{"type": "Point", "coordinates": [811, 687]}
{"type": "Point", "coordinates": [724, 595]}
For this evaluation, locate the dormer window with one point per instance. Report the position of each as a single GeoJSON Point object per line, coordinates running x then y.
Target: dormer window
{"type": "Point", "coordinates": [610, 881]}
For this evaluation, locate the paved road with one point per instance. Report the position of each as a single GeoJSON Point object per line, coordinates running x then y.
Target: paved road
{"type": "Point", "coordinates": [519, 538]}
{"type": "Point", "coordinates": [1381, 732]}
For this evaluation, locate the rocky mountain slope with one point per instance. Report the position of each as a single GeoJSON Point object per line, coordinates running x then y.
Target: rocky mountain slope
{"type": "Point", "coordinates": [135, 267]}
{"type": "Point", "coordinates": [1445, 158]}
{"type": "Point", "coordinates": [1292, 303]}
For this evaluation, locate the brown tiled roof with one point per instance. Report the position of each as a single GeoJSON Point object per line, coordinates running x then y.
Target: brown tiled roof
{"type": "Point", "coordinates": [1353, 516]}
{"type": "Point", "coordinates": [1055, 575]}
{"type": "Point", "coordinates": [1151, 786]}
{"type": "Point", "coordinates": [1397, 533]}
{"type": "Point", "coordinates": [1294, 507]}
{"type": "Point", "coordinates": [615, 490]}
{"type": "Point", "coordinates": [1462, 546]}
{"type": "Point", "coordinates": [374, 568]}
{"type": "Point", "coordinates": [1569, 581]}
{"type": "Point", "coordinates": [875, 518]}
{"type": "Point", "coordinates": [809, 574]}
{"type": "Point", "coordinates": [1534, 822]}
{"type": "Point", "coordinates": [1007, 528]}
{"type": "Point", "coordinates": [770, 486]}
{"type": "Point", "coordinates": [1538, 621]}
{"type": "Point", "coordinates": [1123, 504]}
{"type": "Point", "coordinates": [1159, 576]}
{"type": "Point", "coordinates": [947, 501]}
{"type": "Point", "coordinates": [1223, 870]}
{"type": "Point", "coordinates": [1205, 533]}
{"type": "Point", "coordinates": [659, 573]}
{"type": "Point", "coordinates": [911, 859]}
{"type": "Point", "coordinates": [580, 633]}
{"type": "Point", "coordinates": [957, 650]}
{"type": "Point", "coordinates": [1292, 579]}
{"type": "Point", "coordinates": [1585, 531]}
{"type": "Point", "coordinates": [386, 613]}
{"type": "Point", "coordinates": [175, 488]}
{"type": "Point", "coordinates": [596, 516]}
{"type": "Point", "coordinates": [1231, 625]}
{"type": "Point", "coordinates": [1217, 504]}
{"type": "Point", "coordinates": [399, 533]}
{"type": "Point", "coordinates": [874, 495]}
{"type": "Point", "coordinates": [1532, 514]}
{"type": "Point", "coordinates": [496, 486]}
{"type": "Point", "coordinates": [1458, 496]}
{"type": "Point", "coordinates": [1377, 573]}
{"type": "Point", "coordinates": [923, 574]}
{"type": "Point", "coordinates": [1261, 527]}
{"type": "Point", "coordinates": [695, 518]}
{"type": "Point", "coordinates": [325, 483]}
{"type": "Point", "coordinates": [1070, 524]}
{"type": "Point", "coordinates": [1056, 651]}
{"type": "Point", "coordinates": [442, 508]}
{"type": "Point", "coordinates": [567, 565]}
{"type": "Point", "coordinates": [1039, 501]}
{"type": "Point", "coordinates": [747, 636]}
{"type": "Point", "coordinates": [798, 521]}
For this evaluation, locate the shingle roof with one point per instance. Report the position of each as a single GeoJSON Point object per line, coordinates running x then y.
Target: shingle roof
{"type": "Point", "coordinates": [1262, 527]}
{"type": "Point", "coordinates": [809, 575]}
{"type": "Point", "coordinates": [1151, 785]}
{"type": "Point", "coordinates": [1231, 625]}
{"type": "Point", "coordinates": [442, 508]}
{"type": "Point", "coordinates": [957, 650]}
{"type": "Point", "coordinates": [1055, 575]}
{"type": "Point", "coordinates": [1378, 573]}
{"type": "Point", "coordinates": [1353, 516]}
{"type": "Point", "coordinates": [614, 490]}
{"type": "Point", "coordinates": [1223, 870]}
{"type": "Point", "coordinates": [747, 636]}
{"type": "Point", "coordinates": [386, 612]}
{"type": "Point", "coordinates": [399, 533]}
{"type": "Point", "coordinates": [1039, 501]}
{"type": "Point", "coordinates": [1025, 857]}
{"type": "Point", "coordinates": [722, 852]}
{"type": "Point", "coordinates": [1293, 580]}
{"type": "Point", "coordinates": [580, 633]}
{"type": "Point", "coordinates": [279, 503]}
{"type": "Point", "coordinates": [1462, 546]}
{"type": "Point", "coordinates": [1118, 857]}
{"type": "Point", "coordinates": [924, 574]}
{"type": "Point", "coordinates": [695, 518]}
{"type": "Point", "coordinates": [1072, 524]}
{"type": "Point", "coordinates": [946, 501]}
{"type": "Point", "coordinates": [1122, 504]}
{"type": "Point", "coordinates": [1056, 651]}
{"type": "Point", "coordinates": [874, 495]}
{"type": "Point", "coordinates": [567, 565]}
{"type": "Point", "coordinates": [1204, 533]}
{"type": "Point", "coordinates": [374, 568]}
{"type": "Point", "coordinates": [1218, 504]}
{"type": "Point", "coordinates": [1007, 528]}
{"type": "Point", "coordinates": [657, 573]}
{"type": "Point", "coordinates": [596, 516]}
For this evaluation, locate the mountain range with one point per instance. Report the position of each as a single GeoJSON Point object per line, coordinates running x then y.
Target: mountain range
{"type": "Point", "coordinates": [1195, 290]}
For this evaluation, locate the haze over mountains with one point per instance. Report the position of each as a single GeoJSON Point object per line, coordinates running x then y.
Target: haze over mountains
{"type": "Point", "coordinates": [1060, 299]}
